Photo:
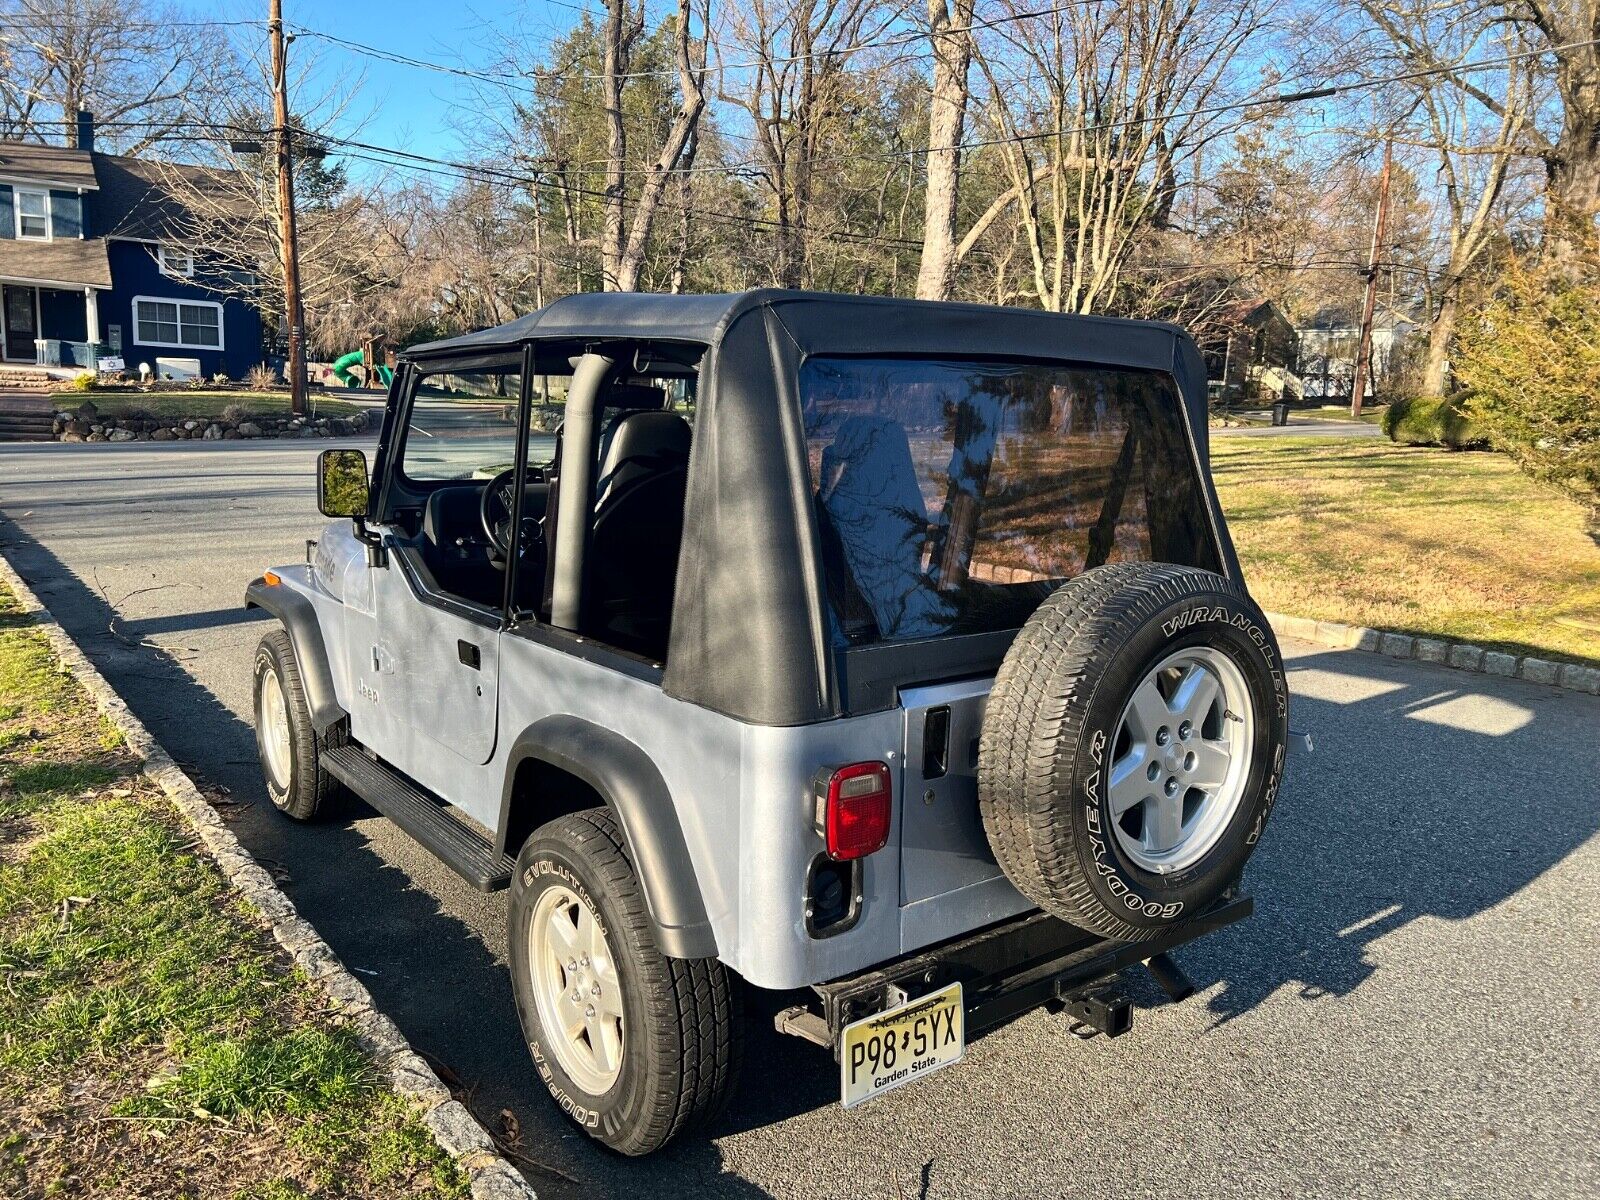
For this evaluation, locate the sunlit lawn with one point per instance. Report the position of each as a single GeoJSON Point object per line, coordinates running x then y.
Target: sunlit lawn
{"type": "Point", "coordinates": [1449, 544]}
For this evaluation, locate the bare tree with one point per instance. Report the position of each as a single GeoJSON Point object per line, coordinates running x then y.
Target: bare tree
{"type": "Point", "coordinates": [123, 60]}
{"type": "Point", "coordinates": [225, 206]}
{"type": "Point", "coordinates": [1568, 143]}
{"type": "Point", "coordinates": [950, 33]}
{"type": "Point", "coordinates": [1096, 108]}
{"type": "Point", "coordinates": [626, 238]}
{"type": "Point", "coordinates": [797, 94]}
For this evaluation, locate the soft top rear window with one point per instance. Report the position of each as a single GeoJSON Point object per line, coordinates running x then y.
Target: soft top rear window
{"type": "Point", "coordinates": [953, 496]}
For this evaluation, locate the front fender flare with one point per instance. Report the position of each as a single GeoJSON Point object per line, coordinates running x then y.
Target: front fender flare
{"type": "Point", "coordinates": [629, 782]}
{"type": "Point", "coordinates": [299, 619]}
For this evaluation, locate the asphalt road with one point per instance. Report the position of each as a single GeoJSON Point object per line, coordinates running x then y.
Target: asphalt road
{"type": "Point", "coordinates": [1415, 1008]}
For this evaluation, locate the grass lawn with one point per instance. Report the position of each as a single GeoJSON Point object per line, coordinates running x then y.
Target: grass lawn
{"type": "Point", "coordinates": [1371, 414]}
{"type": "Point", "coordinates": [154, 1042]}
{"type": "Point", "coordinates": [1425, 541]}
{"type": "Point", "coordinates": [201, 402]}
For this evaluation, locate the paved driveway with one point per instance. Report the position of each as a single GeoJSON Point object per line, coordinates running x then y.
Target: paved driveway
{"type": "Point", "coordinates": [1415, 1009]}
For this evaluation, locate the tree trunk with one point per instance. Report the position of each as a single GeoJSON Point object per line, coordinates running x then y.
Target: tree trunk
{"type": "Point", "coordinates": [1572, 192]}
{"type": "Point", "coordinates": [947, 116]}
{"type": "Point", "coordinates": [691, 77]}
{"type": "Point", "coordinates": [1436, 377]}
{"type": "Point", "coordinates": [613, 232]}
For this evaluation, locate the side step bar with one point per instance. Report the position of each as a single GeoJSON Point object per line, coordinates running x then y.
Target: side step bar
{"type": "Point", "coordinates": [460, 847]}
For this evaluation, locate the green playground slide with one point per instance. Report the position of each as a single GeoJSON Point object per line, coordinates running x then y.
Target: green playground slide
{"type": "Point", "coordinates": [342, 365]}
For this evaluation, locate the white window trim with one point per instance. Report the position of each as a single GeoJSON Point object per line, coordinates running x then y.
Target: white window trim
{"type": "Point", "coordinates": [139, 341]}
{"type": "Point", "coordinates": [17, 192]}
{"type": "Point", "coordinates": [162, 264]}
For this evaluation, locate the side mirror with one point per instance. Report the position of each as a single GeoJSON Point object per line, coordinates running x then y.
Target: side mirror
{"type": "Point", "coordinates": [342, 489]}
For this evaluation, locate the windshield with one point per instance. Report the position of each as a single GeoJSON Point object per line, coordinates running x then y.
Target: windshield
{"type": "Point", "coordinates": [953, 496]}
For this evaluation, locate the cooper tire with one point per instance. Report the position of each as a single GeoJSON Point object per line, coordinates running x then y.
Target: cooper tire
{"type": "Point", "coordinates": [288, 744]}
{"type": "Point", "coordinates": [1064, 712]}
{"type": "Point", "coordinates": [678, 1020]}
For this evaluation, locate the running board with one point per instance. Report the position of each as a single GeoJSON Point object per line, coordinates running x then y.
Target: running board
{"type": "Point", "coordinates": [461, 848]}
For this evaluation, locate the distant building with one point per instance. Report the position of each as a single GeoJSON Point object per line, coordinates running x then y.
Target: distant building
{"type": "Point", "coordinates": [1251, 351]}
{"type": "Point", "coordinates": [1330, 342]}
{"type": "Point", "coordinates": [91, 266]}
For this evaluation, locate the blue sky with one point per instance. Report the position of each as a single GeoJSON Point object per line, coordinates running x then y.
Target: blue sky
{"type": "Point", "coordinates": [403, 106]}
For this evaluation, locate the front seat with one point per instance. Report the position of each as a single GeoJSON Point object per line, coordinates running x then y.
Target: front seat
{"type": "Point", "coordinates": [638, 529]}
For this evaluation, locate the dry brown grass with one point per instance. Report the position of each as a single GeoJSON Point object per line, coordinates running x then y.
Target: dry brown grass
{"type": "Point", "coordinates": [1424, 541]}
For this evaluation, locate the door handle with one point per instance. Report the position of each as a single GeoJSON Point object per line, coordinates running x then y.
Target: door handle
{"type": "Point", "coordinates": [468, 654]}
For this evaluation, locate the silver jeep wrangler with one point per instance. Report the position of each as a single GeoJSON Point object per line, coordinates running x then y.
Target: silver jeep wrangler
{"type": "Point", "coordinates": [892, 651]}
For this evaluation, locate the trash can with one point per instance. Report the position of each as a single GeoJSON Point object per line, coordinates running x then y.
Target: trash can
{"type": "Point", "coordinates": [1280, 413]}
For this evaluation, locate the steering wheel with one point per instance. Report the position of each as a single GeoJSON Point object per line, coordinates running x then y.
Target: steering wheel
{"type": "Point", "coordinates": [495, 509]}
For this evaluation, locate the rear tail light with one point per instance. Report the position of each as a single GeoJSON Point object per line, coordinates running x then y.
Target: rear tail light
{"type": "Point", "coordinates": [854, 809]}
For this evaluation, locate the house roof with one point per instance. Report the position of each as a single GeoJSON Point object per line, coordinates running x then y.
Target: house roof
{"type": "Point", "coordinates": [134, 198]}
{"type": "Point", "coordinates": [137, 197]}
{"type": "Point", "coordinates": [76, 262]}
{"type": "Point", "coordinates": [48, 164]}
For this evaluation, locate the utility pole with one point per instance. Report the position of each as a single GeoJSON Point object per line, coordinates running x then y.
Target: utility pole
{"type": "Point", "coordinates": [1380, 230]}
{"type": "Point", "coordinates": [296, 368]}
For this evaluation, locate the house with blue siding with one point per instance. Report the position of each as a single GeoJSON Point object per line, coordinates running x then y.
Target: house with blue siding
{"type": "Point", "coordinates": [93, 265]}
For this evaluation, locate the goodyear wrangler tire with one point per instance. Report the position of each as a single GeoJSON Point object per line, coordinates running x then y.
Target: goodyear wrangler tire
{"type": "Point", "coordinates": [1132, 747]}
{"type": "Point", "coordinates": [635, 1047]}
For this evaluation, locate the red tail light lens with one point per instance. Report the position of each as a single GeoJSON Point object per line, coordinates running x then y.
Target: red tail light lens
{"type": "Point", "coordinates": [856, 808]}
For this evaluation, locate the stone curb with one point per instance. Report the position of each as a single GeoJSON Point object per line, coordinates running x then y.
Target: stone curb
{"type": "Point", "coordinates": [457, 1132]}
{"type": "Point", "coordinates": [1464, 656]}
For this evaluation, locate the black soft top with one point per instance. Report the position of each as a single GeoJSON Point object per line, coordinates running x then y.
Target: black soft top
{"type": "Point", "coordinates": [749, 628]}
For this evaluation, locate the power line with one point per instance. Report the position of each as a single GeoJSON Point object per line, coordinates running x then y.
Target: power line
{"type": "Point", "coordinates": [1273, 99]}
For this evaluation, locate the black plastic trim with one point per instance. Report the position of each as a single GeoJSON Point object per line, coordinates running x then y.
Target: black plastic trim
{"type": "Point", "coordinates": [299, 619]}
{"type": "Point", "coordinates": [588, 650]}
{"type": "Point", "coordinates": [852, 911]}
{"type": "Point", "coordinates": [461, 847]}
{"type": "Point", "coordinates": [628, 781]}
{"type": "Point", "coordinates": [426, 589]}
{"type": "Point", "coordinates": [871, 677]}
{"type": "Point", "coordinates": [1010, 968]}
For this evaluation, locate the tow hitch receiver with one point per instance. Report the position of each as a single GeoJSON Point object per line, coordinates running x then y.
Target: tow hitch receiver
{"type": "Point", "coordinates": [1102, 1008]}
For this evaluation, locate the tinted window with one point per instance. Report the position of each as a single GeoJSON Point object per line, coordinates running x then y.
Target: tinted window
{"type": "Point", "coordinates": [462, 425]}
{"type": "Point", "coordinates": [953, 496]}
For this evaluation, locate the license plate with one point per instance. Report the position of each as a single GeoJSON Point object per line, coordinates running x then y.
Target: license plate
{"type": "Point", "coordinates": [911, 1041]}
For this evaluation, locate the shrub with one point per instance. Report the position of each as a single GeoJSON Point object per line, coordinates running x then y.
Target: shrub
{"type": "Point", "coordinates": [261, 378]}
{"type": "Point", "coordinates": [84, 382]}
{"type": "Point", "coordinates": [235, 413]}
{"type": "Point", "coordinates": [1531, 357]}
{"type": "Point", "coordinates": [1428, 421]}
{"type": "Point", "coordinates": [220, 379]}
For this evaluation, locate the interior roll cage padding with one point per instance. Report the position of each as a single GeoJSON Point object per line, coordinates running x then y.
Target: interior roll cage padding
{"type": "Point", "coordinates": [575, 482]}
{"type": "Point", "coordinates": [299, 619]}
{"type": "Point", "coordinates": [630, 784]}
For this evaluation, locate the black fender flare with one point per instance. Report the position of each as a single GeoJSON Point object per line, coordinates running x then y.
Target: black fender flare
{"type": "Point", "coordinates": [299, 619]}
{"type": "Point", "coordinates": [628, 781]}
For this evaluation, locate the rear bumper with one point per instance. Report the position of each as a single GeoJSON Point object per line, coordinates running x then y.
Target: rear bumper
{"type": "Point", "coordinates": [1011, 967]}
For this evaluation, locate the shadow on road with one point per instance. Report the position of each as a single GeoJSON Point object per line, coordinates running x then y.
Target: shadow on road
{"type": "Point", "coordinates": [1449, 798]}
{"type": "Point", "coordinates": [1410, 814]}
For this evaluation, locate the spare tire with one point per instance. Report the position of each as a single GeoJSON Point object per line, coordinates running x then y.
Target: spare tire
{"type": "Point", "coordinates": [1132, 747]}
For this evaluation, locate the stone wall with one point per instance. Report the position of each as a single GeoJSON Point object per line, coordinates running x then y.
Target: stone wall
{"type": "Point", "coordinates": [85, 424]}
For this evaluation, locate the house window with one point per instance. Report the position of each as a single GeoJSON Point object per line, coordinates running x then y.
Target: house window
{"type": "Point", "coordinates": [178, 324]}
{"type": "Point", "coordinates": [174, 262]}
{"type": "Point", "coordinates": [33, 214]}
